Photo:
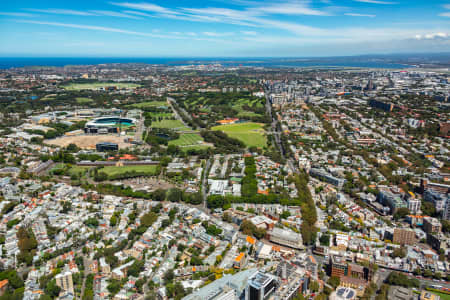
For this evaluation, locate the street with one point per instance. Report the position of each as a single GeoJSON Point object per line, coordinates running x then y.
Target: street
{"type": "Point", "coordinates": [204, 184]}
{"type": "Point", "coordinates": [177, 115]}
{"type": "Point", "coordinates": [275, 132]}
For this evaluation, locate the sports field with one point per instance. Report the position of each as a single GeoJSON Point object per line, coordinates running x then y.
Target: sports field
{"type": "Point", "coordinates": [196, 147]}
{"type": "Point", "coordinates": [149, 104]}
{"type": "Point", "coordinates": [49, 97]}
{"type": "Point", "coordinates": [245, 106]}
{"type": "Point", "coordinates": [113, 170]}
{"type": "Point", "coordinates": [250, 102]}
{"type": "Point", "coordinates": [97, 85]}
{"type": "Point", "coordinates": [78, 170]}
{"type": "Point", "coordinates": [56, 167]}
{"type": "Point", "coordinates": [171, 124]}
{"type": "Point", "coordinates": [252, 134]}
{"type": "Point", "coordinates": [247, 114]}
{"type": "Point", "coordinates": [88, 141]}
{"type": "Point", "coordinates": [443, 296]}
{"type": "Point", "coordinates": [159, 114]}
{"type": "Point", "coordinates": [83, 100]}
{"type": "Point", "coordinates": [187, 139]}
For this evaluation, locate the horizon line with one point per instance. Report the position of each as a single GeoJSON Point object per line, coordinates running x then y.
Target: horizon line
{"type": "Point", "coordinates": [226, 57]}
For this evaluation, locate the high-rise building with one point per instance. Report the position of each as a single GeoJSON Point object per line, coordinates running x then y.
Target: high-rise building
{"type": "Point", "coordinates": [404, 236]}
{"type": "Point", "coordinates": [342, 269]}
{"type": "Point", "coordinates": [286, 238]}
{"type": "Point", "coordinates": [439, 199]}
{"type": "Point", "coordinates": [227, 294]}
{"type": "Point", "coordinates": [260, 286]}
{"type": "Point", "coordinates": [437, 187]}
{"type": "Point", "coordinates": [64, 281]}
{"type": "Point", "coordinates": [325, 176]}
{"type": "Point", "coordinates": [104, 266]}
{"type": "Point", "coordinates": [446, 213]}
{"type": "Point", "coordinates": [444, 128]}
{"type": "Point", "coordinates": [393, 200]}
{"type": "Point", "coordinates": [381, 105]}
{"type": "Point", "coordinates": [356, 271]}
{"type": "Point", "coordinates": [431, 225]}
{"type": "Point", "coordinates": [413, 205]}
{"type": "Point", "coordinates": [339, 266]}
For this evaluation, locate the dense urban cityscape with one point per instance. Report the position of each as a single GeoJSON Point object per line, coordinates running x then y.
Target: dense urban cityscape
{"type": "Point", "coordinates": [196, 182]}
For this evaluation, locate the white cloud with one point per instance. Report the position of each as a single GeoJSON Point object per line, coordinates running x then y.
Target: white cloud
{"type": "Point", "coordinates": [299, 8]}
{"type": "Point", "coordinates": [113, 14]}
{"type": "Point", "coordinates": [432, 36]}
{"type": "Point", "coordinates": [296, 28]}
{"type": "Point", "coordinates": [99, 28]}
{"type": "Point", "coordinates": [446, 14]}
{"type": "Point", "coordinates": [144, 6]}
{"type": "Point", "coordinates": [285, 7]}
{"type": "Point", "coordinates": [138, 13]}
{"type": "Point", "coordinates": [84, 44]}
{"type": "Point", "coordinates": [16, 14]}
{"type": "Point", "coordinates": [360, 15]}
{"type": "Point", "coordinates": [218, 15]}
{"type": "Point", "coordinates": [232, 16]}
{"type": "Point", "coordinates": [226, 15]}
{"type": "Point", "coordinates": [90, 13]}
{"type": "Point", "coordinates": [253, 15]}
{"type": "Point", "coordinates": [446, 6]}
{"type": "Point", "coordinates": [317, 34]}
{"type": "Point", "coordinates": [63, 12]}
{"type": "Point", "coordinates": [221, 12]}
{"type": "Point", "coordinates": [192, 18]}
{"type": "Point", "coordinates": [215, 34]}
{"type": "Point", "coordinates": [375, 1]}
{"type": "Point", "coordinates": [175, 35]}
{"type": "Point", "coordinates": [257, 19]}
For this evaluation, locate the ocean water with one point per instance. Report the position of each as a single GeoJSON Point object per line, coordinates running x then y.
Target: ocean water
{"type": "Point", "coordinates": [338, 62]}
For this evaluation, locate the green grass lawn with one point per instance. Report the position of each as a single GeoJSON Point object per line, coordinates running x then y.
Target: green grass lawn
{"type": "Point", "coordinates": [196, 147]}
{"type": "Point", "coordinates": [203, 105]}
{"type": "Point", "coordinates": [252, 134]}
{"type": "Point", "coordinates": [250, 102]}
{"type": "Point", "coordinates": [149, 104]}
{"type": "Point", "coordinates": [96, 85]}
{"type": "Point", "coordinates": [113, 170]}
{"type": "Point", "coordinates": [48, 98]}
{"type": "Point", "coordinates": [83, 100]}
{"type": "Point", "coordinates": [160, 114]}
{"type": "Point", "coordinates": [171, 124]}
{"type": "Point", "coordinates": [442, 295]}
{"type": "Point", "coordinates": [78, 170]}
{"type": "Point", "coordinates": [188, 139]}
{"type": "Point", "coordinates": [246, 113]}
{"type": "Point", "coordinates": [57, 166]}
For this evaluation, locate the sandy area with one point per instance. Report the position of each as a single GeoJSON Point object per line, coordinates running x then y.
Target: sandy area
{"type": "Point", "coordinates": [88, 141]}
{"type": "Point", "coordinates": [148, 183]}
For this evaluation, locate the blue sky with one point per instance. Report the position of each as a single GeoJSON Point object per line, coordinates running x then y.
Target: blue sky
{"type": "Point", "coordinates": [232, 28]}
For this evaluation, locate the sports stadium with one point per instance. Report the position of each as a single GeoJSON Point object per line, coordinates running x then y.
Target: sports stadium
{"type": "Point", "coordinates": [108, 124]}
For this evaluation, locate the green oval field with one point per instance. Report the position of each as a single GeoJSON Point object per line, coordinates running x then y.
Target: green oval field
{"type": "Point", "coordinates": [252, 134]}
